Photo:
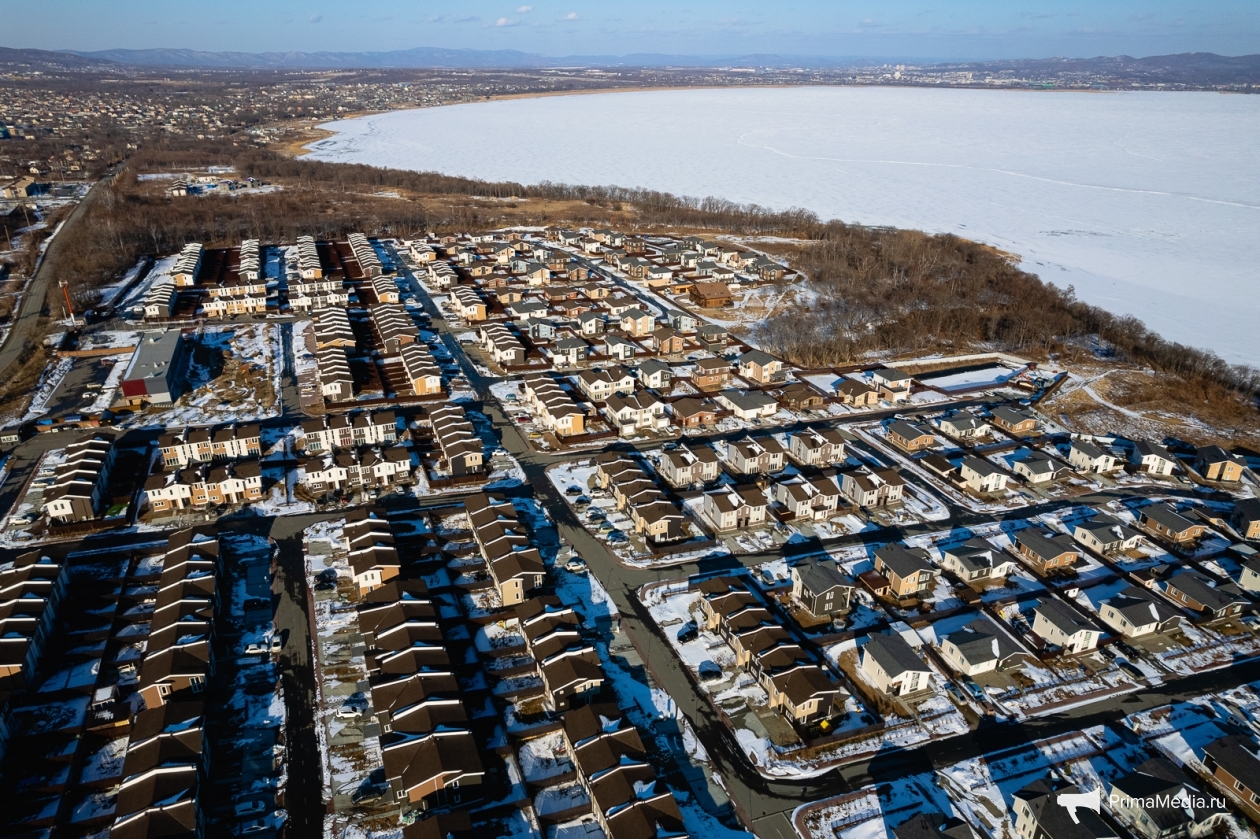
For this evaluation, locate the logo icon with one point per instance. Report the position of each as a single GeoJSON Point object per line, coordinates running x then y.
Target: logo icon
{"type": "Point", "coordinates": [1073, 801]}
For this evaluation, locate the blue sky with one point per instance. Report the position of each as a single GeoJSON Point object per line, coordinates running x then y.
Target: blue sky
{"type": "Point", "coordinates": [930, 29]}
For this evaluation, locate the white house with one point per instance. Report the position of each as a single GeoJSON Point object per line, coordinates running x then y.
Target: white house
{"type": "Point", "coordinates": [1060, 624]}
{"type": "Point", "coordinates": [891, 664]}
{"type": "Point", "coordinates": [979, 647]}
{"type": "Point", "coordinates": [982, 476]}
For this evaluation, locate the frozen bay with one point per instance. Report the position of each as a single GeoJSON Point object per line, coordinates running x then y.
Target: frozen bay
{"type": "Point", "coordinates": [1147, 203]}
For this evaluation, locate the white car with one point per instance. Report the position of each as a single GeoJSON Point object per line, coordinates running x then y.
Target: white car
{"type": "Point", "coordinates": [255, 649]}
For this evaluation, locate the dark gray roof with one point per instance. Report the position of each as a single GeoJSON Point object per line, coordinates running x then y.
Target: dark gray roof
{"type": "Point", "coordinates": [908, 430]}
{"type": "Point", "coordinates": [1158, 780]}
{"type": "Point", "coordinates": [974, 555]}
{"type": "Point", "coordinates": [1237, 757]}
{"type": "Point", "coordinates": [1088, 449]}
{"type": "Point", "coordinates": [756, 357]}
{"type": "Point", "coordinates": [903, 562]}
{"type": "Point", "coordinates": [1042, 799]}
{"type": "Point", "coordinates": [1140, 607]}
{"type": "Point", "coordinates": [1013, 416]}
{"type": "Point", "coordinates": [1166, 516]}
{"type": "Point", "coordinates": [1064, 617]}
{"type": "Point", "coordinates": [1199, 587]}
{"type": "Point", "coordinates": [980, 466]}
{"type": "Point", "coordinates": [749, 400]}
{"type": "Point", "coordinates": [933, 826]}
{"type": "Point", "coordinates": [1045, 545]}
{"type": "Point", "coordinates": [1143, 448]}
{"type": "Point", "coordinates": [892, 653]}
{"type": "Point", "coordinates": [819, 576]}
{"type": "Point", "coordinates": [1106, 529]}
{"type": "Point", "coordinates": [982, 640]}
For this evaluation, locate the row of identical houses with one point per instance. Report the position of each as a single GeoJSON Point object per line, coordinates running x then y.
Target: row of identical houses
{"type": "Point", "coordinates": [796, 684]}
{"type": "Point", "coordinates": [657, 519]}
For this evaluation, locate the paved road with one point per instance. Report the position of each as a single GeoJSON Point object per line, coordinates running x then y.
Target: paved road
{"type": "Point", "coordinates": [765, 805]}
{"type": "Point", "coordinates": [26, 320]}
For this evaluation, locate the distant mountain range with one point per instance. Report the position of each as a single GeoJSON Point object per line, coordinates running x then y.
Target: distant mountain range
{"type": "Point", "coordinates": [427, 57]}
{"type": "Point", "coordinates": [1184, 68]}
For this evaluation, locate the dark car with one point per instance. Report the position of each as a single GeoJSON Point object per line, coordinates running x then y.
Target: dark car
{"type": "Point", "coordinates": [689, 632]}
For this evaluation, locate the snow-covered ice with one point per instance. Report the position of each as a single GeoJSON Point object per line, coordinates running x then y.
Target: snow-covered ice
{"type": "Point", "coordinates": [1145, 202]}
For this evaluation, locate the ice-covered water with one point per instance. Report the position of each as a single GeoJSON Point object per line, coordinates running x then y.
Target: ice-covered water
{"type": "Point", "coordinates": [1148, 203]}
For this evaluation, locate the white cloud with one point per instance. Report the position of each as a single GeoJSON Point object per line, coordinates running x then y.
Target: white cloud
{"type": "Point", "coordinates": [503, 21]}
{"type": "Point", "coordinates": [571, 16]}
{"type": "Point", "coordinates": [524, 10]}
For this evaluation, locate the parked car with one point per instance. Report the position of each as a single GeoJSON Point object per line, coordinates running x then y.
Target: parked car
{"type": "Point", "coordinates": [689, 632]}
{"type": "Point", "coordinates": [617, 538]}
{"type": "Point", "coordinates": [366, 795]}
{"type": "Point", "coordinates": [251, 827]}
{"type": "Point", "coordinates": [255, 649]}
{"type": "Point", "coordinates": [245, 809]}
{"type": "Point", "coordinates": [573, 489]}
{"type": "Point", "coordinates": [1130, 668]}
{"type": "Point", "coordinates": [577, 565]}
{"type": "Point", "coordinates": [277, 643]}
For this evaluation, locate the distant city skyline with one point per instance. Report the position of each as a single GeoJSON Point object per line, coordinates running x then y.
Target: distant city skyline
{"type": "Point", "coordinates": [930, 30]}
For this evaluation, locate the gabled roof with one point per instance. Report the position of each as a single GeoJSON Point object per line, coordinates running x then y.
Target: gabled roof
{"type": "Point", "coordinates": [1165, 516]}
{"type": "Point", "coordinates": [819, 576]}
{"type": "Point", "coordinates": [1064, 617]}
{"type": "Point", "coordinates": [1140, 607]}
{"type": "Point", "coordinates": [891, 652]}
{"type": "Point", "coordinates": [1041, 796]}
{"type": "Point", "coordinates": [902, 561]}
{"type": "Point", "coordinates": [1167, 797]}
{"type": "Point", "coordinates": [1198, 587]}
{"type": "Point", "coordinates": [981, 641]}
{"type": "Point", "coordinates": [1044, 545]}
{"type": "Point", "coordinates": [974, 555]}
{"type": "Point", "coordinates": [1237, 757]}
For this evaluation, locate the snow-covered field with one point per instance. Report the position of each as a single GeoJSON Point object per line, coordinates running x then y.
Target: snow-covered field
{"type": "Point", "coordinates": [1144, 202]}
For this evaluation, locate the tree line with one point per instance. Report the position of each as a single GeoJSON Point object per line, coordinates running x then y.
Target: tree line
{"type": "Point", "coordinates": [883, 290]}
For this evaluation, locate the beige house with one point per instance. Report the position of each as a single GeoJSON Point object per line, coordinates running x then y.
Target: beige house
{"type": "Point", "coordinates": [891, 664]}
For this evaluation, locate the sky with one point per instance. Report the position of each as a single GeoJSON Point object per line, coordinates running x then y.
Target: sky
{"type": "Point", "coordinates": [910, 30]}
